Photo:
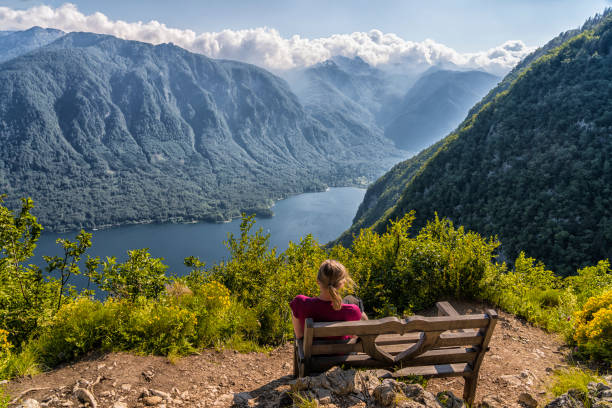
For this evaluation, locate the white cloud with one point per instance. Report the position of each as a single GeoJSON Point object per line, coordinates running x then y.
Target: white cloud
{"type": "Point", "coordinates": [265, 46]}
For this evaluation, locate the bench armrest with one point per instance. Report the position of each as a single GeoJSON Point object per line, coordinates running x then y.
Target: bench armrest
{"type": "Point", "coordinates": [446, 309]}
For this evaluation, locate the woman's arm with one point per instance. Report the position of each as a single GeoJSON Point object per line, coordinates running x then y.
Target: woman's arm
{"type": "Point", "coordinates": [297, 327]}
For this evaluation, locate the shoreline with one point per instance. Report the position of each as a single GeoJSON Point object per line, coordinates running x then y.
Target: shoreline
{"type": "Point", "coordinates": [180, 220]}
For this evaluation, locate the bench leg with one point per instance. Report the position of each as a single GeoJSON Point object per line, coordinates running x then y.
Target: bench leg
{"type": "Point", "coordinates": [296, 370]}
{"type": "Point", "coordinates": [469, 390]}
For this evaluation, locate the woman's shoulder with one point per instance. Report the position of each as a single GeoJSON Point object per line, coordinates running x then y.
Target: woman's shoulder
{"type": "Point", "coordinates": [301, 300]}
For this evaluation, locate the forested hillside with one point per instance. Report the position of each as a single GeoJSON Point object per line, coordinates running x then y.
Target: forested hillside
{"type": "Point", "coordinates": [104, 131]}
{"type": "Point", "coordinates": [16, 43]}
{"type": "Point", "coordinates": [532, 165]}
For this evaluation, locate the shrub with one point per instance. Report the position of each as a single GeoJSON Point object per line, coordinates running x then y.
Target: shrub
{"type": "Point", "coordinates": [398, 274]}
{"type": "Point", "coordinates": [140, 275]}
{"type": "Point", "coordinates": [593, 334]}
{"type": "Point", "coordinates": [591, 281]}
{"type": "Point", "coordinates": [532, 292]}
{"type": "Point", "coordinates": [156, 327]}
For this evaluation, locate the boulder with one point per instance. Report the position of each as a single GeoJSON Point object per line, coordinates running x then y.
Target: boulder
{"type": "Point", "coordinates": [29, 403]}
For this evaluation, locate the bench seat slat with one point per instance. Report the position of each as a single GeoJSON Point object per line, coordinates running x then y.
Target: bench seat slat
{"type": "Point", "coordinates": [395, 344]}
{"type": "Point", "coordinates": [442, 356]}
{"type": "Point", "coordinates": [390, 325]}
{"type": "Point", "coordinates": [441, 370]}
{"type": "Point", "coordinates": [446, 339]}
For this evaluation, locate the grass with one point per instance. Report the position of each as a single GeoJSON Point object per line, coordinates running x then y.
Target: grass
{"type": "Point", "coordinates": [300, 401]}
{"type": "Point", "coordinates": [4, 398]}
{"type": "Point", "coordinates": [19, 364]}
{"type": "Point", "coordinates": [573, 378]}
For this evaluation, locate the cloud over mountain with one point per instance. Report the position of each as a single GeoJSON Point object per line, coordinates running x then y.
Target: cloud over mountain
{"type": "Point", "coordinates": [265, 46]}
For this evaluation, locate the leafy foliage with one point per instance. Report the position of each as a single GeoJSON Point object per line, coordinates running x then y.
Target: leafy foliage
{"type": "Point", "coordinates": [68, 264]}
{"type": "Point", "coordinates": [594, 327]}
{"type": "Point", "coordinates": [140, 275]}
{"type": "Point", "coordinates": [243, 302]}
{"type": "Point", "coordinates": [24, 294]}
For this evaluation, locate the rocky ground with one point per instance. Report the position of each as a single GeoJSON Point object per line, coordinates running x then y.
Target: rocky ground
{"type": "Point", "coordinates": [517, 368]}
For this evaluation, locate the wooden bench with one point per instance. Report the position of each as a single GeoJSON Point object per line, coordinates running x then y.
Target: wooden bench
{"type": "Point", "coordinates": [450, 345]}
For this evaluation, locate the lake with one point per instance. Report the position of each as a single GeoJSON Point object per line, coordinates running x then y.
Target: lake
{"type": "Point", "coordinates": [325, 215]}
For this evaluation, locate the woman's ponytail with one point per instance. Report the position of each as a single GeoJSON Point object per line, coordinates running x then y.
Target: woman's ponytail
{"type": "Point", "coordinates": [334, 275]}
{"type": "Point", "coordinates": [335, 297]}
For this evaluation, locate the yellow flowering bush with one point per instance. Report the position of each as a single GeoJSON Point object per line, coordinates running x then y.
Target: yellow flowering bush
{"type": "Point", "coordinates": [158, 327]}
{"type": "Point", "coordinates": [593, 333]}
{"type": "Point", "coordinates": [5, 350]}
{"type": "Point", "coordinates": [5, 346]}
{"type": "Point", "coordinates": [215, 296]}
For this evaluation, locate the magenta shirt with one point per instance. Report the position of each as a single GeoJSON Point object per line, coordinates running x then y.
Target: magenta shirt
{"type": "Point", "coordinates": [319, 310]}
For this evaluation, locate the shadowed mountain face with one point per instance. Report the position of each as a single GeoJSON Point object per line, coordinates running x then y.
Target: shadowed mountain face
{"type": "Point", "coordinates": [531, 165]}
{"type": "Point", "coordinates": [435, 105]}
{"type": "Point", "coordinates": [16, 43]}
{"type": "Point", "coordinates": [100, 130]}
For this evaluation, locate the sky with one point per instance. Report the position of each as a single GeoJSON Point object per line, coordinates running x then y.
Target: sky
{"type": "Point", "coordinates": [282, 34]}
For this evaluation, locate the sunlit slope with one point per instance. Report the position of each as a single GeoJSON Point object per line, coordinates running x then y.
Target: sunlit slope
{"type": "Point", "coordinates": [533, 165]}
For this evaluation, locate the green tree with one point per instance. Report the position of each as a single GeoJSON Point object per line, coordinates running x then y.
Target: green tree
{"type": "Point", "coordinates": [140, 275]}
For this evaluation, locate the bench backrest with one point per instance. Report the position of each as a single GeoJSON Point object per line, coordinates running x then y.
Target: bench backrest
{"type": "Point", "coordinates": [415, 341]}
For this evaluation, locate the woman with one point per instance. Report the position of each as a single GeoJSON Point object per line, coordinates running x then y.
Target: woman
{"type": "Point", "coordinates": [328, 306]}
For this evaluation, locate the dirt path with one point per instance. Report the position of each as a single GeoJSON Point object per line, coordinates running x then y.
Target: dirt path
{"type": "Point", "coordinates": [520, 360]}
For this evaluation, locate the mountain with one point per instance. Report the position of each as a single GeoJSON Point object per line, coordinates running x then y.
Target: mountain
{"type": "Point", "coordinates": [16, 43]}
{"type": "Point", "coordinates": [103, 131]}
{"type": "Point", "coordinates": [435, 105]}
{"type": "Point", "coordinates": [414, 109]}
{"type": "Point", "coordinates": [532, 165]}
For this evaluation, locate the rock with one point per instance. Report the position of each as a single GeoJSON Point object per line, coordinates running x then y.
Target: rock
{"type": "Point", "coordinates": [448, 400]}
{"type": "Point", "coordinates": [382, 373]}
{"type": "Point", "coordinates": [242, 398]}
{"type": "Point", "coordinates": [120, 404]}
{"type": "Point", "coordinates": [418, 393]}
{"type": "Point", "coordinates": [148, 375]}
{"type": "Point", "coordinates": [152, 400]}
{"type": "Point", "coordinates": [29, 403]}
{"type": "Point", "coordinates": [566, 401]}
{"type": "Point", "coordinates": [527, 400]}
{"type": "Point", "coordinates": [66, 403]}
{"type": "Point", "coordinates": [490, 401]}
{"type": "Point", "coordinates": [224, 400]}
{"type": "Point", "coordinates": [144, 393]}
{"type": "Point", "coordinates": [126, 387]}
{"type": "Point", "coordinates": [341, 382]}
{"type": "Point", "coordinates": [510, 381]}
{"type": "Point", "coordinates": [283, 400]}
{"type": "Point", "coordinates": [84, 395]}
{"type": "Point", "coordinates": [160, 394]}
{"type": "Point", "coordinates": [385, 393]}
{"type": "Point", "coordinates": [307, 383]}
{"type": "Point", "coordinates": [324, 396]}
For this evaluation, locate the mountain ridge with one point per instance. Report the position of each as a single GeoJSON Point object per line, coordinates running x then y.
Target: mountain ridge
{"type": "Point", "coordinates": [167, 133]}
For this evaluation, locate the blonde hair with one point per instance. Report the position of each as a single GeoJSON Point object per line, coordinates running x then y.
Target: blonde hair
{"type": "Point", "coordinates": [332, 275]}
